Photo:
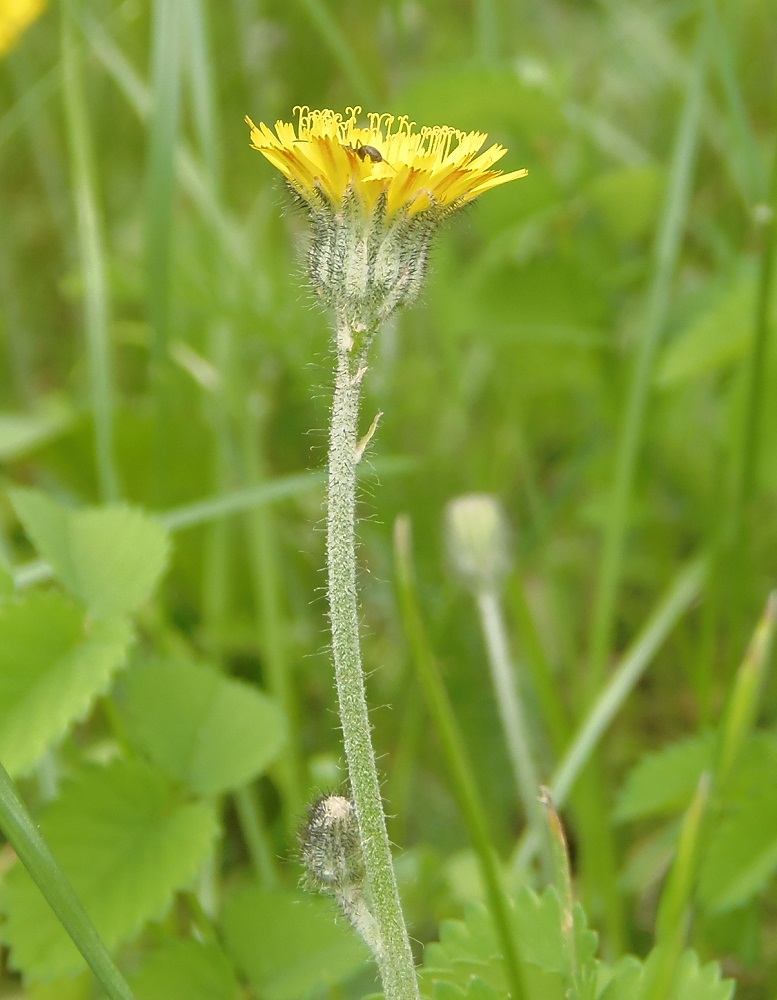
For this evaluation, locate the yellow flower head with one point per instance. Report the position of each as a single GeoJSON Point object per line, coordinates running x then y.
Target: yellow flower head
{"type": "Point", "coordinates": [376, 194]}
{"type": "Point", "coordinates": [329, 158]}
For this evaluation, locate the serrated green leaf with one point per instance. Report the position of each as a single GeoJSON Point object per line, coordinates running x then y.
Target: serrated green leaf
{"type": "Point", "coordinates": [110, 558]}
{"type": "Point", "coordinates": [742, 851]}
{"type": "Point", "coordinates": [469, 949]}
{"type": "Point", "coordinates": [208, 731]}
{"type": "Point", "coordinates": [701, 982]}
{"type": "Point", "coordinates": [466, 948]}
{"type": "Point", "coordinates": [692, 981]}
{"type": "Point", "coordinates": [538, 921]}
{"type": "Point", "coordinates": [630, 978]}
{"type": "Point", "coordinates": [126, 843]}
{"type": "Point", "coordinates": [53, 665]}
{"type": "Point", "coordinates": [622, 981]}
{"type": "Point", "coordinates": [664, 782]}
{"type": "Point", "coordinates": [190, 969]}
{"type": "Point", "coordinates": [289, 945]}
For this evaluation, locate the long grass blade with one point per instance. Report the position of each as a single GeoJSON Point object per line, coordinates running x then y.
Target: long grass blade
{"type": "Point", "coordinates": [22, 833]}
{"type": "Point", "coordinates": [92, 253]}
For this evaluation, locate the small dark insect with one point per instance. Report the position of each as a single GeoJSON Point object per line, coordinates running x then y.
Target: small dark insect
{"type": "Point", "coordinates": [365, 152]}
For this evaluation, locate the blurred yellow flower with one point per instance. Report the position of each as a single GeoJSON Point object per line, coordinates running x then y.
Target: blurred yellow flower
{"type": "Point", "coordinates": [15, 16]}
{"type": "Point", "coordinates": [329, 157]}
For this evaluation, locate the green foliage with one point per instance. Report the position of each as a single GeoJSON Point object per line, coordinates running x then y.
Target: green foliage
{"type": "Point", "coordinates": [468, 949]}
{"type": "Point", "coordinates": [110, 558]}
{"type": "Point", "coordinates": [716, 336]}
{"type": "Point", "coordinates": [53, 665]}
{"type": "Point", "coordinates": [206, 731]}
{"type": "Point", "coordinates": [127, 842]}
{"type": "Point", "coordinates": [22, 433]}
{"type": "Point", "coordinates": [626, 981]}
{"type": "Point", "coordinates": [739, 856]}
{"type": "Point", "coordinates": [627, 200]}
{"type": "Point", "coordinates": [69, 988]}
{"type": "Point", "coordinates": [664, 781]}
{"type": "Point", "coordinates": [289, 945]}
{"type": "Point", "coordinates": [191, 969]}
{"type": "Point", "coordinates": [742, 852]}
{"type": "Point", "coordinates": [466, 963]}
{"type": "Point", "coordinates": [157, 349]}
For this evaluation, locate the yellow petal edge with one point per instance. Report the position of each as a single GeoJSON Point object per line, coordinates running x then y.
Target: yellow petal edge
{"type": "Point", "coordinates": [327, 155]}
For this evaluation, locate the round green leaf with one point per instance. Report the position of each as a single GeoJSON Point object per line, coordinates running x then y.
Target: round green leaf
{"type": "Point", "coordinates": [111, 558]}
{"type": "Point", "coordinates": [208, 731]}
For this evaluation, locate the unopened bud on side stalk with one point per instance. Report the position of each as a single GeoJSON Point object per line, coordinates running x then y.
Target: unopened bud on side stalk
{"type": "Point", "coordinates": [478, 540]}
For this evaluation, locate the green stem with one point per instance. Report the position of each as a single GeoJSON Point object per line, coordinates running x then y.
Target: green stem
{"type": "Point", "coordinates": [394, 956]}
{"type": "Point", "coordinates": [463, 781]}
{"type": "Point", "coordinates": [544, 680]}
{"type": "Point", "coordinates": [756, 363]}
{"type": "Point", "coordinates": [514, 723]}
{"type": "Point", "coordinates": [255, 835]}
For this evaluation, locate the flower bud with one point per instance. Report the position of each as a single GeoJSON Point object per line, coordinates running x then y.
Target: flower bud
{"type": "Point", "coordinates": [365, 266]}
{"type": "Point", "coordinates": [331, 848]}
{"type": "Point", "coordinates": [478, 540]}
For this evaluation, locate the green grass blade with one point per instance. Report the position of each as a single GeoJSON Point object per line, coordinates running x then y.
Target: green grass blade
{"type": "Point", "coordinates": [670, 231]}
{"type": "Point", "coordinates": [681, 595]}
{"type": "Point", "coordinates": [92, 253]}
{"type": "Point", "coordinates": [744, 148]}
{"type": "Point", "coordinates": [515, 724]}
{"type": "Point", "coordinates": [740, 713]}
{"type": "Point", "coordinates": [167, 29]}
{"type": "Point", "coordinates": [673, 918]}
{"type": "Point", "coordinates": [756, 362]}
{"type": "Point", "coordinates": [347, 57]}
{"type": "Point", "coordinates": [22, 833]}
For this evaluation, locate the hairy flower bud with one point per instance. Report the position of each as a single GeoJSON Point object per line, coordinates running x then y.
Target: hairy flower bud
{"type": "Point", "coordinates": [367, 266]}
{"type": "Point", "coordinates": [332, 855]}
{"type": "Point", "coordinates": [331, 848]}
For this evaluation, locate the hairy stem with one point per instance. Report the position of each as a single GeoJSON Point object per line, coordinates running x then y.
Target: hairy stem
{"type": "Point", "coordinates": [393, 954]}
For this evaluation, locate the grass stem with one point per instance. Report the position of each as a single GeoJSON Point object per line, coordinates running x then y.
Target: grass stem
{"type": "Point", "coordinates": [514, 723]}
{"type": "Point", "coordinates": [93, 261]}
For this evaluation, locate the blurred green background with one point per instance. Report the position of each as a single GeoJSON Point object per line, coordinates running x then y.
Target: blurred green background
{"type": "Point", "coordinates": [593, 347]}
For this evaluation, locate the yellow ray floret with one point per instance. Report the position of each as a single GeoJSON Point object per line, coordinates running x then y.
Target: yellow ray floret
{"type": "Point", "coordinates": [328, 155]}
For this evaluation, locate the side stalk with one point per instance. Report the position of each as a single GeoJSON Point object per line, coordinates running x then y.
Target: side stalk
{"type": "Point", "coordinates": [393, 952]}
